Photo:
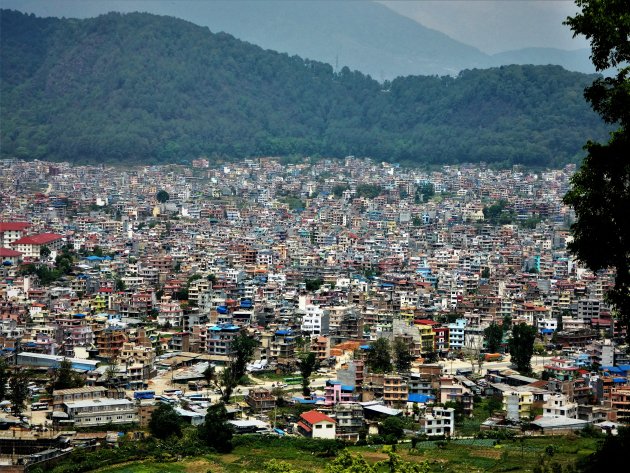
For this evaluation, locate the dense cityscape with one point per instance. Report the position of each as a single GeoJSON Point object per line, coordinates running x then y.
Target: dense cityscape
{"type": "Point", "coordinates": [341, 299]}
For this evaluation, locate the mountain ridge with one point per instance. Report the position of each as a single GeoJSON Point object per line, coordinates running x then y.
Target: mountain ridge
{"type": "Point", "coordinates": [145, 88]}
{"type": "Point", "coordinates": [365, 36]}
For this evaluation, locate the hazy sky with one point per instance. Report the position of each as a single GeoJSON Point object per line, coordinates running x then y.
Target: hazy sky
{"type": "Point", "coordinates": [496, 25]}
{"type": "Point", "coordinates": [490, 25]}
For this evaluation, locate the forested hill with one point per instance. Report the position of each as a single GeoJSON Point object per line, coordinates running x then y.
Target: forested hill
{"type": "Point", "coordinates": [143, 88]}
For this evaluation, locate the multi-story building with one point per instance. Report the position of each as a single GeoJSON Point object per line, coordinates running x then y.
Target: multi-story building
{"type": "Point", "coordinates": [260, 400]}
{"type": "Point", "coordinates": [100, 412]}
{"type": "Point", "coordinates": [395, 390]}
{"type": "Point", "coordinates": [517, 404]}
{"type": "Point", "coordinates": [438, 421]}
{"type": "Point", "coordinates": [559, 405]}
{"type": "Point", "coordinates": [350, 420]}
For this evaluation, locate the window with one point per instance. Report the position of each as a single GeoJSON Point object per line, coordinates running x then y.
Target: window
{"type": "Point", "coordinates": [318, 426]}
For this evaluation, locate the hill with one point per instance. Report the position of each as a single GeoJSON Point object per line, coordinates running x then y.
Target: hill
{"type": "Point", "coordinates": [365, 36]}
{"type": "Point", "coordinates": [145, 88]}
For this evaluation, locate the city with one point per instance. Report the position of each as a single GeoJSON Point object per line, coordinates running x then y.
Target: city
{"type": "Point", "coordinates": [143, 282]}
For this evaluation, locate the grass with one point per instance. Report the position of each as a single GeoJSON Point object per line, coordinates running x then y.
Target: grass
{"type": "Point", "coordinates": [469, 455]}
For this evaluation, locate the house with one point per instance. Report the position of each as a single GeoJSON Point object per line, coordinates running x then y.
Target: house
{"type": "Point", "coordinates": [558, 405]}
{"type": "Point", "coordinates": [350, 420]}
{"type": "Point", "coordinates": [315, 424]}
{"type": "Point", "coordinates": [30, 246]}
{"type": "Point", "coordinates": [260, 400]}
{"type": "Point", "coordinates": [11, 231]}
{"type": "Point", "coordinates": [439, 421]}
{"type": "Point", "coordinates": [518, 405]}
{"type": "Point", "coordinates": [12, 256]}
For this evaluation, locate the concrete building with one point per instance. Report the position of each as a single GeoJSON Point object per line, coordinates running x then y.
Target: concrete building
{"type": "Point", "coordinates": [315, 424]}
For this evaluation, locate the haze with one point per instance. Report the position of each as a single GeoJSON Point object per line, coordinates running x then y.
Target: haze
{"type": "Point", "coordinates": [490, 25]}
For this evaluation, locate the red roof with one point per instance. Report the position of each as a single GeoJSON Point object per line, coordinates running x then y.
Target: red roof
{"type": "Point", "coordinates": [314, 416]}
{"type": "Point", "coordinates": [13, 226]}
{"type": "Point", "coordinates": [302, 425]}
{"type": "Point", "coordinates": [8, 253]}
{"type": "Point", "coordinates": [39, 239]}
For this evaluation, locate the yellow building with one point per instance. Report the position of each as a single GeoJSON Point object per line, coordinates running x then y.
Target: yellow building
{"type": "Point", "coordinates": [427, 338]}
{"type": "Point", "coordinates": [518, 405]}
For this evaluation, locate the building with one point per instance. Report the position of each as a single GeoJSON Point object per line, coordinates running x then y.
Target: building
{"type": "Point", "coordinates": [100, 412]}
{"type": "Point", "coordinates": [395, 390]}
{"type": "Point", "coordinates": [88, 393]}
{"type": "Point", "coordinates": [350, 421]}
{"type": "Point", "coordinates": [620, 400]}
{"type": "Point", "coordinates": [30, 246]}
{"type": "Point", "coordinates": [11, 231]}
{"type": "Point", "coordinates": [315, 424]}
{"type": "Point", "coordinates": [518, 405]}
{"type": "Point", "coordinates": [439, 421]}
{"type": "Point", "coordinates": [260, 400]}
{"type": "Point", "coordinates": [558, 405]}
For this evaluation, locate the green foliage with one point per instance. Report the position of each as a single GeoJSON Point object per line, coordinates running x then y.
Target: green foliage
{"type": "Point", "coordinates": [600, 194]}
{"type": "Point", "coordinates": [18, 386]}
{"type": "Point", "coordinates": [65, 378]}
{"type": "Point", "coordinates": [4, 378]}
{"type": "Point", "coordinates": [402, 356]}
{"type": "Point", "coordinates": [368, 190]}
{"type": "Point", "coordinates": [307, 363]}
{"type": "Point", "coordinates": [494, 336]}
{"type": "Point", "coordinates": [313, 284]}
{"type": "Point", "coordinates": [221, 97]}
{"type": "Point", "coordinates": [392, 429]}
{"type": "Point", "coordinates": [522, 347]}
{"type": "Point", "coordinates": [162, 196]}
{"type": "Point", "coordinates": [379, 358]}
{"type": "Point", "coordinates": [498, 213]}
{"type": "Point", "coordinates": [611, 453]}
{"type": "Point", "coordinates": [165, 422]}
{"type": "Point", "coordinates": [242, 352]}
{"type": "Point", "coordinates": [216, 432]}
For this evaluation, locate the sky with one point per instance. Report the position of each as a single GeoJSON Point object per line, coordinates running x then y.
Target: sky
{"type": "Point", "coordinates": [496, 25]}
{"type": "Point", "coordinates": [490, 25]}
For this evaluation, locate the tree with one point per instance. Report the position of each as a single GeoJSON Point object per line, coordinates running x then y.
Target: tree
{"type": "Point", "coordinates": [392, 429]}
{"type": "Point", "coordinates": [242, 352]}
{"type": "Point", "coordinates": [522, 347]}
{"type": "Point", "coordinates": [379, 358]}
{"type": "Point", "coordinates": [44, 252]}
{"type": "Point", "coordinates": [494, 337]}
{"type": "Point", "coordinates": [65, 378]}
{"type": "Point", "coordinates": [611, 453]}
{"type": "Point", "coordinates": [600, 194]}
{"type": "Point", "coordinates": [18, 384]}
{"type": "Point", "coordinates": [507, 323]}
{"type": "Point", "coordinates": [165, 422]}
{"type": "Point", "coordinates": [402, 356]}
{"type": "Point", "coordinates": [307, 363]}
{"type": "Point", "coordinates": [216, 431]}
{"type": "Point", "coordinates": [162, 196]}
{"type": "Point", "coordinates": [4, 378]}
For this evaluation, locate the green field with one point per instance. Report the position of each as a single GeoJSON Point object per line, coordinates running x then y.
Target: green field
{"type": "Point", "coordinates": [469, 455]}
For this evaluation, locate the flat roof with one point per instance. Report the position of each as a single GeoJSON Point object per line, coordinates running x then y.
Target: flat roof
{"type": "Point", "coordinates": [99, 402]}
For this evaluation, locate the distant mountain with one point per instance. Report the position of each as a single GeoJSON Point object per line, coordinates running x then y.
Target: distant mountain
{"type": "Point", "coordinates": [362, 35]}
{"type": "Point", "coordinates": [147, 89]}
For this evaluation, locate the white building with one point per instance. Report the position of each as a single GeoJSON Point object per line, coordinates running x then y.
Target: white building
{"type": "Point", "coordinates": [558, 405]}
{"type": "Point", "coordinates": [440, 421]}
{"type": "Point", "coordinates": [456, 334]}
{"type": "Point", "coordinates": [98, 412]}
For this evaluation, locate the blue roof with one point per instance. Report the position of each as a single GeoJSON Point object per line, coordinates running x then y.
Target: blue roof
{"type": "Point", "coordinates": [365, 347]}
{"type": "Point", "coordinates": [304, 401]}
{"type": "Point", "coordinates": [279, 431]}
{"type": "Point", "coordinates": [546, 330]}
{"type": "Point", "coordinates": [619, 380]}
{"type": "Point", "coordinates": [79, 316]}
{"type": "Point", "coordinates": [94, 258]}
{"type": "Point", "coordinates": [284, 332]}
{"type": "Point", "coordinates": [420, 398]}
{"type": "Point", "coordinates": [222, 309]}
{"type": "Point", "coordinates": [612, 369]}
{"type": "Point", "coordinates": [624, 367]}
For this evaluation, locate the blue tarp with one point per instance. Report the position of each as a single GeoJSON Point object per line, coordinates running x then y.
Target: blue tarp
{"type": "Point", "coordinates": [611, 369]}
{"type": "Point", "coordinates": [420, 398]}
{"type": "Point", "coordinates": [304, 401]}
{"type": "Point", "coordinates": [619, 380]}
